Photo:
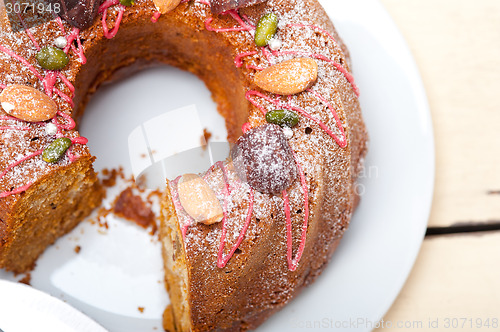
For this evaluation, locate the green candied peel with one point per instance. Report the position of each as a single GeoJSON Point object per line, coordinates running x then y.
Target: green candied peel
{"type": "Point", "coordinates": [266, 29]}
{"type": "Point", "coordinates": [127, 3]}
{"type": "Point", "coordinates": [52, 58]}
{"type": "Point", "coordinates": [56, 150]}
{"type": "Point", "coordinates": [282, 118]}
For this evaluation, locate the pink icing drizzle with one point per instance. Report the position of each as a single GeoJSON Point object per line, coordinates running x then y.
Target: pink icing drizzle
{"type": "Point", "coordinates": [14, 164]}
{"type": "Point", "coordinates": [30, 35]}
{"type": "Point", "coordinates": [16, 191]}
{"type": "Point", "coordinates": [28, 32]}
{"type": "Point", "coordinates": [69, 126]}
{"type": "Point", "coordinates": [243, 25]}
{"type": "Point", "coordinates": [104, 10]}
{"type": "Point", "coordinates": [246, 126]}
{"type": "Point", "coordinates": [238, 62]}
{"type": "Point", "coordinates": [155, 17]}
{"type": "Point", "coordinates": [293, 262]}
{"type": "Point", "coordinates": [49, 80]}
{"type": "Point", "coordinates": [22, 60]}
{"type": "Point", "coordinates": [3, 117]}
{"type": "Point", "coordinates": [221, 260]}
{"type": "Point", "coordinates": [75, 140]}
{"type": "Point", "coordinates": [74, 35]}
{"type": "Point", "coordinates": [13, 128]}
{"type": "Point", "coordinates": [342, 142]}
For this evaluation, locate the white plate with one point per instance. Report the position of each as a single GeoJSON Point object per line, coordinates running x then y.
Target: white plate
{"type": "Point", "coordinates": [119, 271]}
{"type": "Point", "coordinates": [25, 309]}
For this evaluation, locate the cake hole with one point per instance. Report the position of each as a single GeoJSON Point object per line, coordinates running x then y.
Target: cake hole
{"type": "Point", "coordinates": [272, 216]}
{"type": "Point", "coordinates": [36, 138]}
{"type": "Point", "coordinates": [178, 89]}
{"type": "Point", "coordinates": [237, 251]}
{"type": "Point", "coordinates": [257, 220]}
{"type": "Point", "coordinates": [53, 206]}
{"type": "Point", "coordinates": [299, 211]}
{"type": "Point", "coordinates": [308, 130]}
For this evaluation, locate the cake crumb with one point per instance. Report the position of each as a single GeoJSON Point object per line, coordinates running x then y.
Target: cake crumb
{"type": "Point", "coordinates": [77, 249]}
{"type": "Point", "coordinates": [100, 220]}
{"type": "Point", "coordinates": [26, 279]}
{"type": "Point", "coordinates": [110, 176]}
{"type": "Point", "coordinates": [205, 138]}
{"type": "Point", "coordinates": [141, 309]}
{"type": "Point", "coordinates": [133, 203]}
{"type": "Point", "coordinates": [133, 208]}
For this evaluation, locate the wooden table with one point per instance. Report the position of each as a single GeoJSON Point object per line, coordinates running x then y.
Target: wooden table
{"type": "Point", "coordinates": [456, 278]}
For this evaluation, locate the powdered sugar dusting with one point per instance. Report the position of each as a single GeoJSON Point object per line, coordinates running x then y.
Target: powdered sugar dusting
{"type": "Point", "coordinates": [323, 128]}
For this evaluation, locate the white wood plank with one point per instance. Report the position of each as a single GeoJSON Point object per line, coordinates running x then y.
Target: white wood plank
{"type": "Point", "coordinates": [455, 277]}
{"type": "Point", "coordinates": [456, 44]}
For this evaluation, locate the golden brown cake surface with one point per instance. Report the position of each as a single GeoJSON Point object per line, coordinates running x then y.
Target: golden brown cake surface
{"type": "Point", "coordinates": [233, 274]}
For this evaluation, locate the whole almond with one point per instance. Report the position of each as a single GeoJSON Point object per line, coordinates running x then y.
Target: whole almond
{"type": "Point", "coordinates": [27, 103]}
{"type": "Point", "coordinates": [199, 200]}
{"type": "Point", "coordinates": [164, 6]}
{"type": "Point", "coordinates": [288, 77]}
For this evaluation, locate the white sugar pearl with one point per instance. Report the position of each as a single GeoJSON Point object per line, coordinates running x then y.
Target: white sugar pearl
{"type": "Point", "coordinates": [61, 42]}
{"type": "Point", "coordinates": [50, 129]}
{"type": "Point", "coordinates": [275, 44]}
{"type": "Point", "coordinates": [288, 132]}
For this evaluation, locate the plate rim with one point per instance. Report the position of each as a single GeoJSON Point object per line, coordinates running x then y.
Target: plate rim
{"type": "Point", "coordinates": [424, 111]}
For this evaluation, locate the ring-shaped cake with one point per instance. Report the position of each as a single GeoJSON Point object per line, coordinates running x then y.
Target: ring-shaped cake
{"type": "Point", "coordinates": [240, 240]}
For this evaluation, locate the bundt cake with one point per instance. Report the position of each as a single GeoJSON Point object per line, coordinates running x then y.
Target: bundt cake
{"type": "Point", "coordinates": [240, 240]}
